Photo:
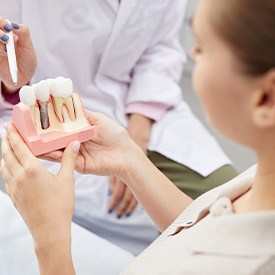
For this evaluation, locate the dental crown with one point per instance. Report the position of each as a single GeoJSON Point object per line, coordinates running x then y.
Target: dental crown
{"type": "Point", "coordinates": [42, 90]}
{"type": "Point", "coordinates": [27, 95]}
{"type": "Point", "coordinates": [62, 87]}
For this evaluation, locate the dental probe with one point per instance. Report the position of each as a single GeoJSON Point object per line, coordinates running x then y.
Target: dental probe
{"type": "Point", "coordinates": [12, 57]}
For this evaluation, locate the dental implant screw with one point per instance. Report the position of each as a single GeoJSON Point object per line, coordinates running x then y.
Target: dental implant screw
{"type": "Point", "coordinates": [44, 115]}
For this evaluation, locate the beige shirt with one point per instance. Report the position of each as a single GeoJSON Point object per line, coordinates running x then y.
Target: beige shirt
{"type": "Point", "coordinates": [208, 238]}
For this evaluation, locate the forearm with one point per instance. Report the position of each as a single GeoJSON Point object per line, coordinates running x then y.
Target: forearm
{"type": "Point", "coordinates": [156, 193]}
{"type": "Point", "coordinates": [55, 258]}
{"type": "Point", "coordinates": [139, 128]}
{"type": "Point", "coordinates": [52, 244]}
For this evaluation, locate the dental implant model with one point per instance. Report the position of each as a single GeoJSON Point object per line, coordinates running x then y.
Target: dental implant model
{"type": "Point", "coordinates": [50, 116]}
{"type": "Point", "coordinates": [42, 92]}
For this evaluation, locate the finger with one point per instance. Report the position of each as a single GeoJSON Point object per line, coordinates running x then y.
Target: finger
{"type": "Point", "coordinates": [11, 161]}
{"type": "Point", "coordinates": [4, 39]}
{"type": "Point", "coordinates": [55, 156]}
{"type": "Point", "coordinates": [20, 149]}
{"type": "Point", "coordinates": [24, 38]}
{"type": "Point", "coordinates": [112, 183]}
{"type": "Point", "coordinates": [125, 203]}
{"type": "Point", "coordinates": [131, 207]}
{"type": "Point", "coordinates": [5, 25]}
{"type": "Point", "coordinates": [5, 28]}
{"type": "Point", "coordinates": [68, 159]}
{"type": "Point", "coordinates": [7, 177]}
{"type": "Point", "coordinates": [117, 195]}
{"type": "Point", "coordinates": [92, 117]}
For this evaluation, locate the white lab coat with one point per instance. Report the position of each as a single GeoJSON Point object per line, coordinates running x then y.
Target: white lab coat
{"type": "Point", "coordinates": [118, 57]}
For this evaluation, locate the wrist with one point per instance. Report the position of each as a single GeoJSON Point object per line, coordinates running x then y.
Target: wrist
{"type": "Point", "coordinates": [55, 257]}
{"type": "Point", "coordinates": [136, 123]}
{"type": "Point", "coordinates": [135, 159]}
{"type": "Point", "coordinates": [47, 234]}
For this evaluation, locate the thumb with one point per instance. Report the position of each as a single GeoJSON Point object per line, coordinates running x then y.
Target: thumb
{"type": "Point", "coordinates": [68, 159]}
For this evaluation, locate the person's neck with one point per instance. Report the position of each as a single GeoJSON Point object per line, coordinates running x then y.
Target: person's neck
{"type": "Point", "coordinates": [261, 196]}
{"type": "Point", "coordinates": [263, 188]}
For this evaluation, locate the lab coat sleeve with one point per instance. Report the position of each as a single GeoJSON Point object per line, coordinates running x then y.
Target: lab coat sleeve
{"type": "Point", "coordinates": [157, 73]}
{"type": "Point", "coordinates": [10, 9]}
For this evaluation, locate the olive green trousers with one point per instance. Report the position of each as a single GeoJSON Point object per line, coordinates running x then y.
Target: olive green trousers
{"type": "Point", "coordinates": [190, 182]}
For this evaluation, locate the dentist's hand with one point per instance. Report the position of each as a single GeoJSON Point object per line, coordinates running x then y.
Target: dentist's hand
{"type": "Point", "coordinates": [25, 54]}
{"type": "Point", "coordinates": [45, 201]}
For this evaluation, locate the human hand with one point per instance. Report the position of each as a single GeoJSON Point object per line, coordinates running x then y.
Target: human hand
{"type": "Point", "coordinates": [45, 201]}
{"type": "Point", "coordinates": [109, 153]}
{"type": "Point", "coordinates": [25, 54]}
{"type": "Point", "coordinates": [121, 196]}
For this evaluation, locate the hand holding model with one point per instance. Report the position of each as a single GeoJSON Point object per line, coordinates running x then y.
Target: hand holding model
{"type": "Point", "coordinates": [108, 153]}
{"type": "Point", "coordinates": [25, 53]}
{"type": "Point", "coordinates": [30, 203]}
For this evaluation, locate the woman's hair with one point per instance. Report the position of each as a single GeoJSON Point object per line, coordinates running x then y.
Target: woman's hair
{"type": "Point", "coordinates": [248, 26]}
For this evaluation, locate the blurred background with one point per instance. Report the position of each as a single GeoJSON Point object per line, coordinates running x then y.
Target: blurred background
{"type": "Point", "coordinates": [241, 157]}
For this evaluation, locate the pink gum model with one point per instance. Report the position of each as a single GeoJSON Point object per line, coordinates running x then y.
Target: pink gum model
{"type": "Point", "coordinates": [59, 134]}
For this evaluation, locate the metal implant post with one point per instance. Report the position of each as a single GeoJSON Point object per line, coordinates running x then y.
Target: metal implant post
{"type": "Point", "coordinates": [44, 115]}
{"type": "Point", "coordinates": [42, 91]}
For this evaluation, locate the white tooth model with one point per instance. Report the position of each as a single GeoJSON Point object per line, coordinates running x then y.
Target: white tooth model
{"type": "Point", "coordinates": [42, 92]}
{"type": "Point", "coordinates": [62, 91]}
{"type": "Point", "coordinates": [28, 97]}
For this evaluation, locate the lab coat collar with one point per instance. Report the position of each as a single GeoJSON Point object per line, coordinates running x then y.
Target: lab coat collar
{"type": "Point", "coordinates": [114, 4]}
{"type": "Point", "coordinates": [125, 10]}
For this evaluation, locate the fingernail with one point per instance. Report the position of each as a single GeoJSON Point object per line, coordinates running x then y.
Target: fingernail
{"type": "Point", "coordinates": [110, 211]}
{"type": "Point", "coordinates": [16, 26]}
{"type": "Point", "coordinates": [75, 146]}
{"type": "Point", "coordinates": [4, 38]}
{"type": "Point", "coordinates": [109, 192]}
{"type": "Point", "coordinates": [119, 216]}
{"type": "Point", "coordinates": [7, 28]}
{"type": "Point", "coordinates": [128, 215]}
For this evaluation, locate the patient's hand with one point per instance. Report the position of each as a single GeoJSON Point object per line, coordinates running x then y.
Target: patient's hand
{"type": "Point", "coordinates": [45, 201]}
{"type": "Point", "coordinates": [109, 153]}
